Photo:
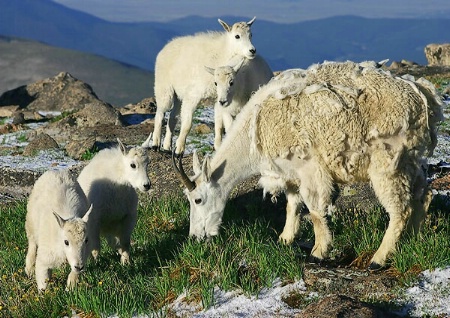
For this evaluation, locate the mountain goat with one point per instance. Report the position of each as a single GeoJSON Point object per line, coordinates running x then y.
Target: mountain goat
{"type": "Point", "coordinates": [56, 226]}
{"type": "Point", "coordinates": [181, 82]}
{"type": "Point", "coordinates": [235, 85]}
{"type": "Point", "coordinates": [109, 181]}
{"type": "Point", "coordinates": [334, 123]}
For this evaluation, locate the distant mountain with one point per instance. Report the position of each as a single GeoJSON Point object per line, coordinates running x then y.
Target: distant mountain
{"type": "Point", "coordinates": [283, 45]}
{"type": "Point", "coordinates": [23, 62]}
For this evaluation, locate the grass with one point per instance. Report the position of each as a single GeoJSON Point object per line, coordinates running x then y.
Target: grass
{"type": "Point", "coordinates": [166, 263]}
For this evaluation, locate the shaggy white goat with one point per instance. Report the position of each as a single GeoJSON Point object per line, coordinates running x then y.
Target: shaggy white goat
{"type": "Point", "coordinates": [109, 181]}
{"type": "Point", "coordinates": [56, 226]}
{"type": "Point", "coordinates": [235, 85]}
{"type": "Point", "coordinates": [181, 82]}
{"type": "Point", "coordinates": [337, 123]}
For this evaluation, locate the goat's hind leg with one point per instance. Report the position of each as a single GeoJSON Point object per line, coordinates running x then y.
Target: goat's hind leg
{"type": "Point", "coordinates": [394, 191]}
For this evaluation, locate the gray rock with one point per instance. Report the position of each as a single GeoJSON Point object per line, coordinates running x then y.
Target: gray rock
{"type": "Point", "coordinates": [40, 142]}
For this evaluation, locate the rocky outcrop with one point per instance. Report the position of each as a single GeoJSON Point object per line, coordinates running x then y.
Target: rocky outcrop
{"type": "Point", "coordinates": [438, 54]}
{"type": "Point", "coordinates": [62, 93]}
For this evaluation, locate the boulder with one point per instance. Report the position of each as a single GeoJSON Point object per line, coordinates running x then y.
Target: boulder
{"type": "Point", "coordinates": [62, 93]}
{"type": "Point", "coordinates": [438, 54]}
{"type": "Point", "coordinates": [40, 142]}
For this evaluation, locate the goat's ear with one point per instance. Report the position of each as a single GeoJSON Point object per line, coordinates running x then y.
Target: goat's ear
{"type": "Point", "coordinates": [59, 219]}
{"type": "Point", "coordinates": [251, 21]}
{"type": "Point", "coordinates": [209, 70]}
{"type": "Point", "coordinates": [87, 214]}
{"type": "Point", "coordinates": [206, 169]}
{"type": "Point", "coordinates": [122, 147]}
{"type": "Point", "coordinates": [238, 65]}
{"type": "Point", "coordinates": [225, 26]}
{"type": "Point", "coordinates": [196, 163]}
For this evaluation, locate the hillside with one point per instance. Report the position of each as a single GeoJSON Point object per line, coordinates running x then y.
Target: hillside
{"type": "Point", "coordinates": [283, 45]}
{"type": "Point", "coordinates": [24, 62]}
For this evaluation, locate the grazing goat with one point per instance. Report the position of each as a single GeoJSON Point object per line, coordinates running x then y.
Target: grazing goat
{"type": "Point", "coordinates": [235, 85]}
{"type": "Point", "coordinates": [181, 82]}
{"type": "Point", "coordinates": [109, 181]}
{"type": "Point", "coordinates": [56, 226]}
{"type": "Point", "coordinates": [336, 123]}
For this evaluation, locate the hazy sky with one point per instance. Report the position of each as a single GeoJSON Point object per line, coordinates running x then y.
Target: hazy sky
{"type": "Point", "coordinates": [274, 10]}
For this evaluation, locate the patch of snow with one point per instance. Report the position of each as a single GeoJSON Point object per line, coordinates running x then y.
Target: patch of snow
{"type": "Point", "coordinates": [54, 159]}
{"type": "Point", "coordinates": [268, 303]}
{"type": "Point", "coordinates": [430, 296]}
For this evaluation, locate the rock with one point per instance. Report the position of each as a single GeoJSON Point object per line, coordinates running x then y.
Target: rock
{"type": "Point", "coordinates": [8, 111]}
{"type": "Point", "coordinates": [40, 142]}
{"type": "Point", "coordinates": [146, 106]}
{"type": "Point", "coordinates": [339, 306]}
{"type": "Point", "coordinates": [98, 113]}
{"type": "Point", "coordinates": [60, 93]}
{"type": "Point", "coordinates": [438, 54]}
{"type": "Point", "coordinates": [18, 118]}
{"type": "Point", "coordinates": [202, 129]}
{"type": "Point", "coordinates": [77, 148]}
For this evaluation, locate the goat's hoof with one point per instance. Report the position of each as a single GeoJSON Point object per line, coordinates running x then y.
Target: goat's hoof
{"type": "Point", "coordinates": [374, 267]}
{"type": "Point", "coordinates": [314, 260]}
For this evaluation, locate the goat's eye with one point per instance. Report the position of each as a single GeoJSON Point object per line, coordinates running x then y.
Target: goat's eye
{"type": "Point", "coordinates": [231, 83]}
{"type": "Point", "coordinates": [133, 165]}
{"type": "Point", "coordinates": [66, 242]}
{"type": "Point", "coordinates": [215, 83]}
{"type": "Point", "coordinates": [86, 241]}
{"type": "Point", "coordinates": [237, 36]}
{"type": "Point", "coordinates": [198, 201]}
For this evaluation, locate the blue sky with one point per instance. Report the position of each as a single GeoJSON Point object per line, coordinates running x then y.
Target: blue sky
{"type": "Point", "coordinates": [287, 11]}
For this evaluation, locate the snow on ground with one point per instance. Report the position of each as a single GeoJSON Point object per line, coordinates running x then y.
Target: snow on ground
{"type": "Point", "coordinates": [234, 304]}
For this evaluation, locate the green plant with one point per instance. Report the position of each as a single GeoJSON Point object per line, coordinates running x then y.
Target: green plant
{"type": "Point", "coordinates": [89, 153]}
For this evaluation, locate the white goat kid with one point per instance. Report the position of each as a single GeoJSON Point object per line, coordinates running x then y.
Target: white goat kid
{"type": "Point", "coordinates": [335, 123]}
{"type": "Point", "coordinates": [109, 181]}
{"type": "Point", "coordinates": [56, 226]}
{"type": "Point", "coordinates": [180, 80]}
{"type": "Point", "coordinates": [235, 85]}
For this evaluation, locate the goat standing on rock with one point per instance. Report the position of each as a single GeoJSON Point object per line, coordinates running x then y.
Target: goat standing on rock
{"type": "Point", "coordinates": [333, 123]}
{"type": "Point", "coordinates": [56, 226]}
{"type": "Point", "coordinates": [109, 181]}
{"type": "Point", "coordinates": [180, 78]}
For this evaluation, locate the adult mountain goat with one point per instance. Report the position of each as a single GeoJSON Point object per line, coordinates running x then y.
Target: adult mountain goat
{"type": "Point", "coordinates": [334, 123]}
{"type": "Point", "coordinates": [109, 181]}
{"type": "Point", "coordinates": [180, 78]}
{"type": "Point", "coordinates": [235, 85]}
{"type": "Point", "coordinates": [56, 226]}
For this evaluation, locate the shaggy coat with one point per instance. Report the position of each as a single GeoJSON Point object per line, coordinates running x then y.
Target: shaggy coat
{"type": "Point", "coordinates": [333, 123]}
{"type": "Point", "coordinates": [56, 226]}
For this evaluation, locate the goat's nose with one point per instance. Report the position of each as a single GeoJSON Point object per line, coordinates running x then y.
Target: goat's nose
{"type": "Point", "coordinates": [147, 186]}
{"type": "Point", "coordinates": [253, 51]}
{"type": "Point", "coordinates": [222, 102]}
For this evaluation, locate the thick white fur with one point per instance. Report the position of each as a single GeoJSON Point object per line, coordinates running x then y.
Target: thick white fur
{"type": "Point", "coordinates": [333, 123]}
{"type": "Point", "coordinates": [57, 213]}
{"type": "Point", "coordinates": [180, 78]}
{"type": "Point", "coordinates": [109, 181]}
{"type": "Point", "coordinates": [235, 84]}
